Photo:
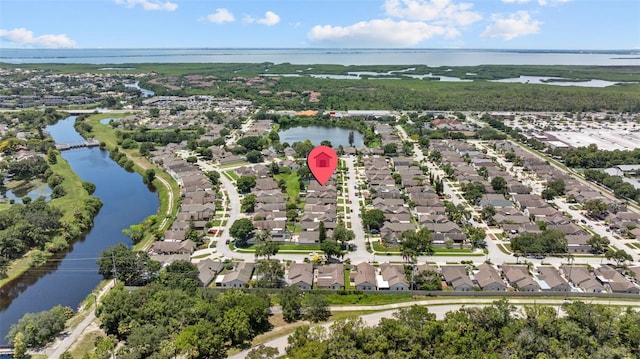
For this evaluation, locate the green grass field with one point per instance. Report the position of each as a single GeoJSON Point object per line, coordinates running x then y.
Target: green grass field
{"type": "Point", "coordinates": [293, 185]}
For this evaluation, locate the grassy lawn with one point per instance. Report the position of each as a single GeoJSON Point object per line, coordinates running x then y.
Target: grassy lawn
{"type": "Point", "coordinates": [347, 280]}
{"type": "Point", "coordinates": [503, 248]}
{"type": "Point", "coordinates": [72, 185]}
{"type": "Point", "coordinates": [4, 206]}
{"type": "Point", "coordinates": [295, 248]}
{"type": "Point", "coordinates": [86, 343]}
{"type": "Point", "coordinates": [16, 268]}
{"type": "Point", "coordinates": [438, 251]}
{"type": "Point", "coordinates": [232, 175]}
{"type": "Point", "coordinates": [293, 184]}
{"type": "Point", "coordinates": [234, 164]}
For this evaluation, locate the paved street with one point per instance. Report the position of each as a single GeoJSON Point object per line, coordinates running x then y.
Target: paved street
{"type": "Point", "coordinates": [496, 255]}
{"type": "Point", "coordinates": [356, 221]}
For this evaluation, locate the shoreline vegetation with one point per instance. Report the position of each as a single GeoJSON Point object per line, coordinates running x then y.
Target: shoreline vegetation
{"type": "Point", "coordinates": [79, 209]}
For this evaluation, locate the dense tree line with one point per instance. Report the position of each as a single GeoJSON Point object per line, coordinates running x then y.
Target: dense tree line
{"type": "Point", "coordinates": [615, 183]}
{"type": "Point", "coordinates": [591, 157]}
{"type": "Point", "coordinates": [547, 242]}
{"type": "Point", "coordinates": [40, 328]}
{"type": "Point", "coordinates": [27, 226]}
{"type": "Point", "coordinates": [161, 322]}
{"type": "Point", "coordinates": [496, 331]}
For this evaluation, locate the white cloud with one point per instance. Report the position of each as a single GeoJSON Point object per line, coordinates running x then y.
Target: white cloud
{"type": "Point", "coordinates": [515, 25]}
{"type": "Point", "coordinates": [270, 18]}
{"type": "Point", "coordinates": [382, 33]}
{"type": "Point", "coordinates": [540, 2]}
{"type": "Point", "coordinates": [149, 4]}
{"type": "Point", "coordinates": [22, 36]}
{"type": "Point", "coordinates": [437, 11]}
{"type": "Point", "coordinates": [221, 16]}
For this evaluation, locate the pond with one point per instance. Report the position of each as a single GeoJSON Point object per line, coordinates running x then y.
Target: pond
{"type": "Point", "coordinates": [33, 189]}
{"type": "Point", "coordinates": [316, 134]}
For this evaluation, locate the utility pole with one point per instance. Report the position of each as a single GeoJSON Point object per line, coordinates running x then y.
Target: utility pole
{"type": "Point", "coordinates": [114, 270]}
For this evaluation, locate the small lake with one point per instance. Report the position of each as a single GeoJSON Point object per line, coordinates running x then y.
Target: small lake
{"type": "Point", "coordinates": [316, 134]}
{"type": "Point", "coordinates": [67, 279]}
{"type": "Point", "coordinates": [32, 189]}
{"type": "Point", "coordinates": [557, 81]}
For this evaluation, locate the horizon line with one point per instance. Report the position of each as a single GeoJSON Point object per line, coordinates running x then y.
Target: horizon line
{"type": "Point", "coordinates": [317, 48]}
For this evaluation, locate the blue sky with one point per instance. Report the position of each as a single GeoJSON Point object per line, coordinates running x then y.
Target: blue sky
{"type": "Point", "coordinates": [500, 24]}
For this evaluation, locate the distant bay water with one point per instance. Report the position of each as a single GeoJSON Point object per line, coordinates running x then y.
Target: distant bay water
{"type": "Point", "coordinates": [429, 57]}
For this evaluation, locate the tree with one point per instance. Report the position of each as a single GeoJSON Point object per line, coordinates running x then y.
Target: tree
{"type": "Point", "coordinates": [598, 243]}
{"type": "Point", "coordinates": [326, 143]}
{"type": "Point", "coordinates": [52, 157]}
{"type": "Point", "coordinates": [254, 156]}
{"type": "Point", "coordinates": [89, 187]}
{"type": "Point", "coordinates": [149, 176]}
{"type": "Point", "coordinates": [213, 176]}
{"type": "Point", "coordinates": [373, 219]}
{"type": "Point", "coordinates": [246, 183]}
{"type": "Point", "coordinates": [263, 352]}
{"type": "Point", "coordinates": [487, 214]}
{"type": "Point", "coordinates": [269, 273]}
{"type": "Point", "coordinates": [417, 242]}
{"type": "Point", "coordinates": [128, 266]}
{"type": "Point", "coordinates": [342, 234]}
{"type": "Point", "coordinates": [19, 346]}
{"type": "Point", "coordinates": [618, 255]}
{"type": "Point", "coordinates": [180, 274]}
{"type": "Point", "coordinates": [390, 149]}
{"type": "Point", "coordinates": [435, 156]}
{"type": "Point", "coordinates": [499, 184]}
{"type": "Point", "coordinates": [550, 241]}
{"type": "Point", "coordinates": [351, 138]}
{"type": "Point", "coordinates": [476, 236]}
{"type": "Point", "coordinates": [241, 229]}
{"type": "Point", "coordinates": [483, 171]}
{"type": "Point", "coordinates": [291, 303]}
{"type": "Point", "coordinates": [322, 232]}
{"type": "Point", "coordinates": [331, 249]}
{"type": "Point", "coordinates": [473, 192]}
{"type": "Point", "coordinates": [38, 329]}
{"type": "Point", "coordinates": [267, 249]}
{"type": "Point", "coordinates": [248, 203]}
{"type": "Point", "coordinates": [315, 307]}
{"type": "Point", "coordinates": [596, 208]}
{"type": "Point", "coordinates": [302, 148]}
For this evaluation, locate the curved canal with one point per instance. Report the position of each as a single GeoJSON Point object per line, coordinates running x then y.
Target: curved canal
{"type": "Point", "coordinates": [67, 280]}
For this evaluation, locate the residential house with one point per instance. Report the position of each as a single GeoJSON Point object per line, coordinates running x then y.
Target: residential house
{"type": "Point", "coordinates": [611, 278]}
{"type": "Point", "coordinates": [208, 270]}
{"type": "Point", "coordinates": [392, 278]}
{"type": "Point", "coordinates": [549, 279]}
{"type": "Point", "coordinates": [582, 278]}
{"type": "Point", "coordinates": [363, 276]}
{"type": "Point", "coordinates": [330, 276]}
{"type": "Point", "coordinates": [239, 276]}
{"type": "Point", "coordinates": [489, 279]}
{"type": "Point", "coordinates": [518, 277]}
{"type": "Point", "coordinates": [301, 275]}
{"type": "Point", "coordinates": [457, 278]}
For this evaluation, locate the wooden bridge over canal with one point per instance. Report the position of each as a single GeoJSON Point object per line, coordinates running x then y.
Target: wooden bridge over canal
{"type": "Point", "coordinates": [83, 144]}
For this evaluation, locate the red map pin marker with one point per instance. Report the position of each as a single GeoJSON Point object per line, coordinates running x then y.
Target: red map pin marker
{"type": "Point", "coordinates": [322, 161]}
